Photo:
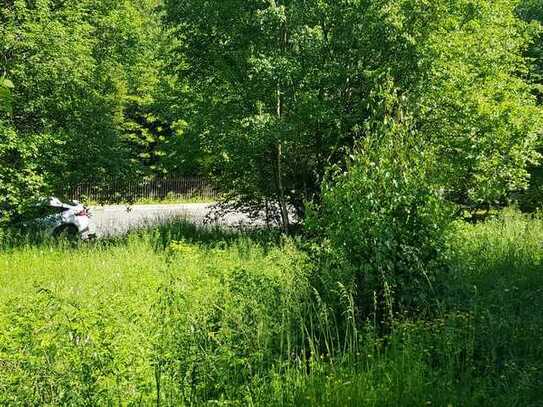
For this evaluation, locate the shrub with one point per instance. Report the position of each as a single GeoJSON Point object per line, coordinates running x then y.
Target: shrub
{"type": "Point", "coordinates": [383, 222]}
{"type": "Point", "coordinates": [20, 178]}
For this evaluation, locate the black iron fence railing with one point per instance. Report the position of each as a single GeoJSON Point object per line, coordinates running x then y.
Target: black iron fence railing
{"type": "Point", "coordinates": [197, 188]}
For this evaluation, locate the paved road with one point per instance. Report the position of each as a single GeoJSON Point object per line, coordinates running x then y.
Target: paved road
{"type": "Point", "coordinates": [116, 220]}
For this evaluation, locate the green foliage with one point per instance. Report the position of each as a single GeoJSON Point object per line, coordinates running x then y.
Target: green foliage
{"type": "Point", "coordinates": [531, 199]}
{"type": "Point", "coordinates": [217, 318]}
{"type": "Point", "coordinates": [497, 269]}
{"type": "Point", "coordinates": [267, 95]}
{"type": "Point", "coordinates": [482, 350]}
{"type": "Point", "coordinates": [171, 324]}
{"type": "Point", "coordinates": [91, 73]}
{"type": "Point", "coordinates": [6, 87]}
{"type": "Point", "coordinates": [384, 223]}
{"type": "Point", "coordinates": [20, 177]}
{"type": "Point", "coordinates": [228, 315]}
{"type": "Point", "coordinates": [378, 113]}
{"type": "Point", "coordinates": [475, 105]}
{"type": "Point", "coordinates": [285, 87]}
{"type": "Point", "coordinates": [132, 65]}
{"type": "Point", "coordinates": [73, 334]}
{"type": "Point", "coordinates": [532, 10]}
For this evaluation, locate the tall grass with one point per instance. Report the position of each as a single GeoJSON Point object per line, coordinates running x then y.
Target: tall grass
{"type": "Point", "coordinates": [482, 349]}
{"type": "Point", "coordinates": [169, 315]}
{"type": "Point", "coordinates": [183, 316]}
{"type": "Point", "coordinates": [76, 324]}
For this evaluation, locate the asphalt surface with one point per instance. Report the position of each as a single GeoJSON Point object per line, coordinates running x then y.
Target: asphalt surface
{"type": "Point", "coordinates": [118, 220]}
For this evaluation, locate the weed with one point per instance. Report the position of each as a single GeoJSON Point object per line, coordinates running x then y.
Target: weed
{"type": "Point", "coordinates": [178, 315]}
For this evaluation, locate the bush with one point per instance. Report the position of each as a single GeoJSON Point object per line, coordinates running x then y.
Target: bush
{"type": "Point", "coordinates": [20, 177]}
{"type": "Point", "coordinates": [383, 222]}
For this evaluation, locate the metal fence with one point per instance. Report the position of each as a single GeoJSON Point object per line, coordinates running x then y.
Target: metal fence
{"type": "Point", "coordinates": [197, 188]}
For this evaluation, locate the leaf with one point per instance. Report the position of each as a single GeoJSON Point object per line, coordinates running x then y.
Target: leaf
{"type": "Point", "coordinates": [5, 97]}
{"type": "Point", "coordinates": [6, 83]}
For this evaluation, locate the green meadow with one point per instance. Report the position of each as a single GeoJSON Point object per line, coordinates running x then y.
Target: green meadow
{"type": "Point", "coordinates": [183, 316]}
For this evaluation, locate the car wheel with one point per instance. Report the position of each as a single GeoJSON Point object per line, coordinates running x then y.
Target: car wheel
{"type": "Point", "coordinates": [68, 232]}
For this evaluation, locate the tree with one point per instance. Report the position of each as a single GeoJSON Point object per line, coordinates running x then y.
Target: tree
{"type": "Point", "coordinates": [532, 11]}
{"type": "Point", "coordinates": [282, 90]}
{"type": "Point", "coordinates": [20, 177]}
{"type": "Point", "coordinates": [89, 83]}
{"type": "Point", "coordinates": [5, 95]}
{"type": "Point", "coordinates": [18, 180]}
{"type": "Point", "coordinates": [476, 105]}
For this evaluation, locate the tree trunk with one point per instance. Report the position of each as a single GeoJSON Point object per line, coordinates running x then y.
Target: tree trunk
{"type": "Point", "coordinates": [282, 203]}
{"type": "Point", "coordinates": [285, 224]}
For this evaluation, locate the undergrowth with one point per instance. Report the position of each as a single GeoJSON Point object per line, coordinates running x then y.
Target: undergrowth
{"type": "Point", "coordinates": [183, 316]}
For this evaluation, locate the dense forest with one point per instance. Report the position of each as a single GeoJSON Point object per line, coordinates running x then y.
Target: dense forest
{"type": "Point", "coordinates": [267, 98]}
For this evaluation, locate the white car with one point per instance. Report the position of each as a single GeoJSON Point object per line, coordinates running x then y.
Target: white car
{"type": "Point", "coordinates": [71, 220]}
